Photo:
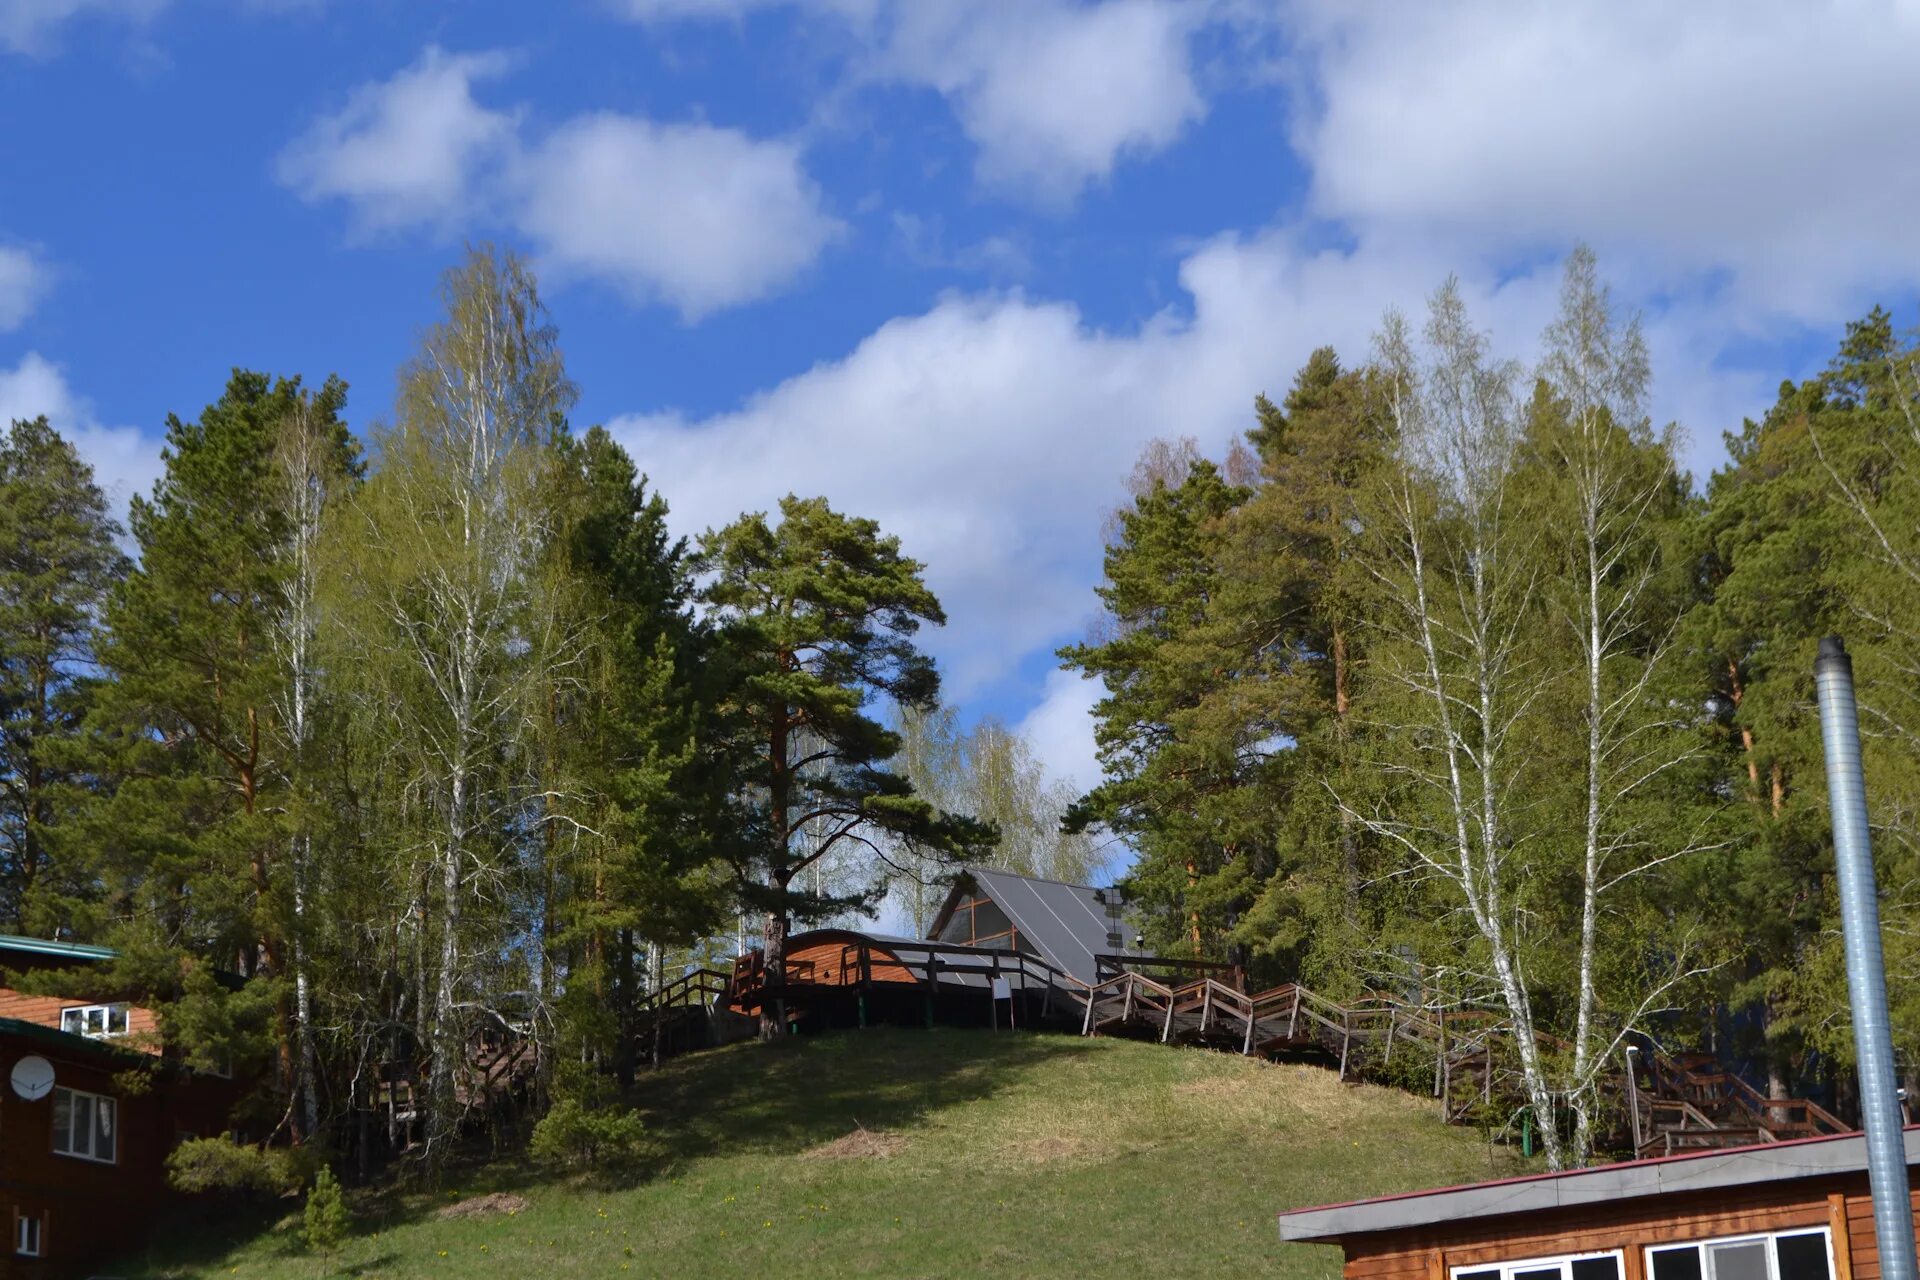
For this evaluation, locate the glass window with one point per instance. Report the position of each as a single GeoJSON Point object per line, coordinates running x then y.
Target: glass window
{"type": "Point", "coordinates": [1676, 1264]}
{"type": "Point", "coordinates": [1590, 1266]}
{"type": "Point", "coordinates": [26, 1235]}
{"type": "Point", "coordinates": [1792, 1255]}
{"type": "Point", "coordinates": [84, 1125]}
{"type": "Point", "coordinates": [1802, 1256]}
{"type": "Point", "coordinates": [1744, 1260]}
{"type": "Point", "coordinates": [98, 1021]}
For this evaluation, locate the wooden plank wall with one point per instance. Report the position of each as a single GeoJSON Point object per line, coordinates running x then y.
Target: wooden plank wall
{"type": "Point", "coordinates": [822, 963]}
{"type": "Point", "coordinates": [1429, 1253]}
{"type": "Point", "coordinates": [45, 1010]}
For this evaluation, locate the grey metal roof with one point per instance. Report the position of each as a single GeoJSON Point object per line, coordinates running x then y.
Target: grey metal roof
{"type": "Point", "coordinates": [45, 947]}
{"type": "Point", "coordinates": [1065, 923]}
{"type": "Point", "coordinates": [1699, 1171]}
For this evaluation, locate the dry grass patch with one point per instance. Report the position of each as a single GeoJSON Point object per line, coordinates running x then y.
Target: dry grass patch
{"type": "Point", "coordinates": [484, 1206]}
{"type": "Point", "coordinates": [1053, 1148]}
{"type": "Point", "coordinates": [861, 1144]}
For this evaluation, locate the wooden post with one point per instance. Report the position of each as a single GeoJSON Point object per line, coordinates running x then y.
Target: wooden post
{"type": "Point", "coordinates": [1837, 1231]}
{"type": "Point", "coordinates": [993, 995]}
{"type": "Point", "coordinates": [1126, 1006]}
{"type": "Point", "coordinates": [1440, 1063]}
{"type": "Point", "coordinates": [1206, 1007]}
{"type": "Point", "coordinates": [1346, 1041]}
{"type": "Point", "coordinates": [1293, 1018]}
{"type": "Point", "coordinates": [1166, 1028]}
{"type": "Point", "coordinates": [1086, 1023]}
{"type": "Point", "coordinates": [933, 982]}
{"type": "Point", "coordinates": [1392, 1024]}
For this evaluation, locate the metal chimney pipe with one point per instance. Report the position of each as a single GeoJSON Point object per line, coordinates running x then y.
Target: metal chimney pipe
{"type": "Point", "coordinates": [1866, 969]}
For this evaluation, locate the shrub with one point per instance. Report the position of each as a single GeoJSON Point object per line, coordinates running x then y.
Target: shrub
{"type": "Point", "coordinates": [221, 1164]}
{"type": "Point", "coordinates": [575, 1135]}
{"type": "Point", "coordinates": [326, 1217]}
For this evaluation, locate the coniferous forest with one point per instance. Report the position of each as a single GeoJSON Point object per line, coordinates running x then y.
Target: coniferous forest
{"type": "Point", "coordinates": [1443, 678]}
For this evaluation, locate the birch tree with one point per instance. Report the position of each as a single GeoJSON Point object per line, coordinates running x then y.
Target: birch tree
{"type": "Point", "coordinates": [1516, 555]}
{"type": "Point", "coordinates": [452, 533]}
{"type": "Point", "coordinates": [1457, 684]}
{"type": "Point", "coordinates": [1619, 492]}
{"type": "Point", "coordinates": [316, 460]}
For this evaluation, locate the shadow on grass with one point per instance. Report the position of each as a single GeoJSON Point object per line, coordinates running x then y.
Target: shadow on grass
{"type": "Point", "coordinates": [794, 1094]}
{"type": "Point", "coordinates": [769, 1099]}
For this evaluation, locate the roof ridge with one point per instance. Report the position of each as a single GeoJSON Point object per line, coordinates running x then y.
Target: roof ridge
{"type": "Point", "coordinates": [1019, 875]}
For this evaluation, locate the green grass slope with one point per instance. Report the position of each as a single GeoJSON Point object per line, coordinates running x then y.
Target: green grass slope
{"type": "Point", "coordinates": [914, 1153]}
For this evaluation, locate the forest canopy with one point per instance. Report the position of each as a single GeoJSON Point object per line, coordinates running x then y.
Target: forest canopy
{"type": "Point", "coordinates": [1444, 680]}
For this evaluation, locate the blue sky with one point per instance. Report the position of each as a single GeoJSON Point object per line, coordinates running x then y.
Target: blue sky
{"type": "Point", "coordinates": [950, 262]}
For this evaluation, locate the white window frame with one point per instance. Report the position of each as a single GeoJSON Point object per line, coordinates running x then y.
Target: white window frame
{"type": "Point", "coordinates": [25, 1224]}
{"type": "Point", "coordinates": [1564, 1261]}
{"type": "Point", "coordinates": [113, 1125]}
{"type": "Point", "coordinates": [106, 1012]}
{"type": "Point", "coordinates": [1745, 1237]}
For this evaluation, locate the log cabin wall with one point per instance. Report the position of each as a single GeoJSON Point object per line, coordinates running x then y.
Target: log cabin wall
{"type": "Point", "coordinates": [45, 1011]}
{"type": "Point", "coordinates": [1840, 1203]}
{"type": "Point", "coordinates": [88, 1208]}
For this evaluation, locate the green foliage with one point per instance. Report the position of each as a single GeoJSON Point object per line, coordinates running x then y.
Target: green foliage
{"type": "Point", "coordinates": [58, 561]}
{"type": "Point", "coordinates": [221, 1165]}
{"type": "Point", "coordinates": [325, 1222]}
{"type": "Point", "coordinates": [576, 1135]}
{"type": "Point", "coordinates": [816, 618]}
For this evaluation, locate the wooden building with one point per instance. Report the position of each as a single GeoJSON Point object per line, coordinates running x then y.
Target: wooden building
{"type": "Point", "coordinates": [82, 1158]}
{"type": "Point", "coordinates": [1004, 949]}
{"type": "Point", "coordinates": [1794, 1210]}
{"type": "Point", "coordinates": [1084, 932]}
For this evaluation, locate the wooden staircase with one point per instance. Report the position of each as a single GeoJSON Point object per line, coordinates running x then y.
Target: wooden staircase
{"type": "Point", "coordinates": [1666, 1104]}
{"type": "Point", "coordinates": [1466, 1057]}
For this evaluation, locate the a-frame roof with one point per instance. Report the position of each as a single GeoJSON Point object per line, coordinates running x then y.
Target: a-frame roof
{"type": "Point", "coordinates": [1066, 924]}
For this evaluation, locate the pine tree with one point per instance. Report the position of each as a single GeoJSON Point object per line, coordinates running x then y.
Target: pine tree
{"type": "Point", "coordinates": [1288, 593]}
{"type": "Point", "coordinates": [190, 849]}
{"type": "Point", "coordinates": [817, 615]}
{"type": "Point", "coordinates": [58, 561]}
{"type": "Point", "coordinates": [1177, 757]}
{"type": "Point", "coordinates": [639, 818]}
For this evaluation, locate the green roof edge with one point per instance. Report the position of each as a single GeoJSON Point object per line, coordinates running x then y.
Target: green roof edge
{"type": "Point", "coordinates": [47, 947]}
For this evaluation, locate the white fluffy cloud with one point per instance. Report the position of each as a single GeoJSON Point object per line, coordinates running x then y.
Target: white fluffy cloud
{"type": "Point", "coordinates": [124, 461]}
{"type": "Point", "coordinates": [23, 284]}
{"type": "Point", "coordinates": [1053, 94]}
{"type": "Point", "coordinates": [695, 215]}
{"type": "Point", "coordinates": [1060, 729]}
{"type": "Point", "coordinates": [993, 432]}
{"type": "Point", "coordinates": [407, 150]}
{"type": "Point", "coordinates": [28, 26]}
{"type": "Point", "coordinates": [699, 216]}
{"type": "Point", "coordinates": [1749, 144]}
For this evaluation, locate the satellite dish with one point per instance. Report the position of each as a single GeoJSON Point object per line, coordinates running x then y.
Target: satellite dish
{"type": "Point", "coordinates": [33, 1078]}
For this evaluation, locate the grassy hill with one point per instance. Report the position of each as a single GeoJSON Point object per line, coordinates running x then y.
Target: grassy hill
{"type": "Point", "coordinates": [913, 1153]}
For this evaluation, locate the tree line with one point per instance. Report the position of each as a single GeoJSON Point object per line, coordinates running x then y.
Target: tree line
{"type": "Point", "coordinates": [359, 755]}
{"type": "Point", "coordinates": [1447, 682]}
